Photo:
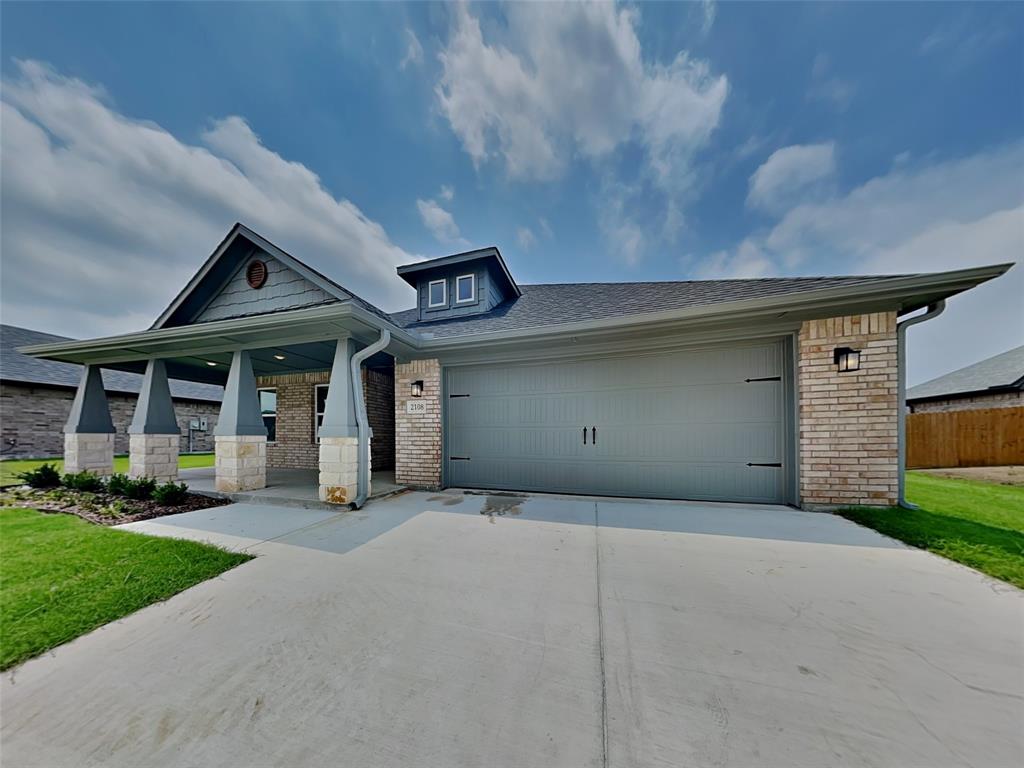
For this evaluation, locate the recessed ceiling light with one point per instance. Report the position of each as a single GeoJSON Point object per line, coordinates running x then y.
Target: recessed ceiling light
{"type": "Point", "coordinates": [210, 362]}
{"type": "Point", "coordinates": [279, 357]}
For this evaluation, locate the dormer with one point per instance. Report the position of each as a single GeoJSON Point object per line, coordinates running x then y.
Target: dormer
{"type": "Point", "coordinates": [468, 283]}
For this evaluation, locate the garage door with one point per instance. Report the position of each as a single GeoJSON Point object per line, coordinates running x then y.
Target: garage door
{"type": "Point", "coordinates": [697, 424]}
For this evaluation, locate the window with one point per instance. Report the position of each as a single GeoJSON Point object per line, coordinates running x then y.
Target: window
{"type": "Point", "coordinates": [437, 293]}
{"type": "Point", "coordinates": [268, 407]}
{"type": "Point", "coordinates": [465, 289]}
{"type": "Point", "coordinates": [319, 405]}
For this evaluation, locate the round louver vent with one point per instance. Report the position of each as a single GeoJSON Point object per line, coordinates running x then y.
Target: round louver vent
{"type": "Point", "coordinates": [256, 274]}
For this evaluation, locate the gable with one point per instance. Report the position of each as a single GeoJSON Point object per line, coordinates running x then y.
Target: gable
{"type": "Point", "coordinates": [283, 289]}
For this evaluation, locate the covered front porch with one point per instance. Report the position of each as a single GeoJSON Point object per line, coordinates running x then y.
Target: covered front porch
{"type": "Point", "coordinates": [308, 406]}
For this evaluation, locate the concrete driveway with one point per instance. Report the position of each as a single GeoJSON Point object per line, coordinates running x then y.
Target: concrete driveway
{"type": "Point", "coordinates": [449, 630]}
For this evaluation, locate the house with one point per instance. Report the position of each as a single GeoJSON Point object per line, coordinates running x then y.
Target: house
{"type": "Point", "coordinates": [36, 397]}
{"type": "Point", "coordinates": [996, 382]}
{"type": "Point", "coordinates": [783, 390]}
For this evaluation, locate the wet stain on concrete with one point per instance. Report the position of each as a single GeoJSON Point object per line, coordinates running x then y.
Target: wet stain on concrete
{"type": "Point", "coordinates": [806, 670]}
{"type": "Point", "coordinates": [499, 506]}
{"type": "Point", "coordinates": [447, 499]}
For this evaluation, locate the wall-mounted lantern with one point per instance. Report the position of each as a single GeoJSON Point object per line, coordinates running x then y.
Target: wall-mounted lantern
{"type": "Point", "coordinates": [846, 359]}
{"type": "Point", "coordinates": [417, 389]}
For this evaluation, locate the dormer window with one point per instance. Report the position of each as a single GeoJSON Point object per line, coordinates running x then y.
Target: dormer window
{"type": "Point", "coordinates": [437, 293]}
{"type": "Point", "coordinates": [465, 289]}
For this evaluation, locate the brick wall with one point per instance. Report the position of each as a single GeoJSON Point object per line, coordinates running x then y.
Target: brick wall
{"type": "Point", "coordinates": [296, 446]}
{"type": "Point", "coordinates": [418, 436]}
{"type": "Point", "coordinates": [33, 418]}
{"type": "Point", "coordinates": [848, 448]}
{"type": "Point", "coordinates": [973, 403]}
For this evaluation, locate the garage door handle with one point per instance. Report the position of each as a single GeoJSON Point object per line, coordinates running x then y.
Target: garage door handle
{"type": "Point", "coordinates": [593, 435]}
{"type": "Point", "coordinates": [584, 435]}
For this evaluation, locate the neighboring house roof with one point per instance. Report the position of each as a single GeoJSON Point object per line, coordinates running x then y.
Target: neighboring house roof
{"type": "Point", "coordinates": [16, 367]}
{"type": "Point", "coordinates": [1000, 373]}
{"type": "Point", "coordinates": [558, 303]}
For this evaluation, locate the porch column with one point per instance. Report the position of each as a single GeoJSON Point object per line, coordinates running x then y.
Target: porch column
{"type": "Point", "coordinates": [240, 437]}
{"type": "Point", "coordinates": [89, 431]}
{"type": "Point", "coordinates": [154, 435]}
{"type": "Point", "coordinates": [339, 435]}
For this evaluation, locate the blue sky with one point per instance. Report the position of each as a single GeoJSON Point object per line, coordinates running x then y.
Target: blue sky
{"type": "Point", "coordinates": [601, 143]}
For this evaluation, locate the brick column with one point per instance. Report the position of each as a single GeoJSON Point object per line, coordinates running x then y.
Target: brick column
{"type": "Point", "coordinates": [418, 425]}
{"type": "Point", "coordinates": [339, 434]}
{"type": "Point", "coordinates": [240, 437]}
{"type": "Point", "coordinates": [153, 436]}
{"type": "Point", "coordinates": [89, 431]}
{"type": "Point", "coordinates": [848, 421]}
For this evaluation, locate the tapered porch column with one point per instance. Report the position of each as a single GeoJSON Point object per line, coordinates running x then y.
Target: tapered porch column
{"type": "Point", "coordinates": [240, 437]}
{"type": "Point", "coordinates": [339, 434]}
{"type": "Point", "coordinates": [154, 436]}
{"type": "Point", "coordinates": [89, 431]}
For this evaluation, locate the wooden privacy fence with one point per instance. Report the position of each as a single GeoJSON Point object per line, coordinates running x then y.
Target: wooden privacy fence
{"type": "Point", "coordinates": [985, 438]}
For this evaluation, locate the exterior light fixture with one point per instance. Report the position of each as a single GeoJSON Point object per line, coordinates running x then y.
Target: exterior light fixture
{"type": "Point", "coordinates": [210, 362]}
{"type": "Point", "coordinates": [279, 357]}
{"type": "Point", "coordinates": [417, 389]}
{"type": "Point", "coordinates": [846, 359]}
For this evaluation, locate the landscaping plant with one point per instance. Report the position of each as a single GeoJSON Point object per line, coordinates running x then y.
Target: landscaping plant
{"type": "Point", "coordinates": [171, 494]}
{"type": "Point", "coordinates": [140, 488]}
{"type": "Point", "coordinates": [84, 481]}
{"type": "Point", "coordinates": [45, 476]}
{"type": "Point", "coordinates": [118, 484]}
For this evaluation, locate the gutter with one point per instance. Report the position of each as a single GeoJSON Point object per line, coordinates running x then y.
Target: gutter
{"type": "Point", "coordinates": [934, 310]}
{"type": "Point", "coordinates": [362, 422]}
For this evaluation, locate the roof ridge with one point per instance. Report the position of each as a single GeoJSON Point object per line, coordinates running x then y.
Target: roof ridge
{"type": "Point", "coordinates": [723, 280]}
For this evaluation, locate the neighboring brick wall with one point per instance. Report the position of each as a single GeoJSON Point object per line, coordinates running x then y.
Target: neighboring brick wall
{"type": "Point", "coordinates": [418, 436]}
{"type": "Point", "coordinates": [296, 446]}
{"type": "Point", "coordinates": [976, 402]}
{"type": "Point", "coordinates": [848, 442]}
{"type": "Point", "coordinates": [33, 417]}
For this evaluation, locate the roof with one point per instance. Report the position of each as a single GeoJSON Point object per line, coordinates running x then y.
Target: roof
{"type": "Point", "coordinates": [1002, 372]}
{"type": "Point", "coordinates": [558, 303]}
{"type": "Point", "coordinates": [408, 271]}
{"type": "Point", "coordinates": [17, 367]}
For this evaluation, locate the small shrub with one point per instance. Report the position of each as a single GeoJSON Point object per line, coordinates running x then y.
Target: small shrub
{"type": "Point", "coordinates": [171, 494]}
{"type": "Point", "coordinates": [44, 476]}
{"type": "Point", "coordinates": [116, 508]}
{"type": "Point", "coordinates": [140, 489]}
{"type": "Point", "coordinates": [118, 484]}
{"type": "Point", "coordinates": [84, 481]}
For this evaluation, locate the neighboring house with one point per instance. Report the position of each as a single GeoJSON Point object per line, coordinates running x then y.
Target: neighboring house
{"type": "Point", "coordinates": [782, 390]}
{"type": "Point", "coordinates": [36, 396]}
{"type": "Point", "coordinates": [996, 382]}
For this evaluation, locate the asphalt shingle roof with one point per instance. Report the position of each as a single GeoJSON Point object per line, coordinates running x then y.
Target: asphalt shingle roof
{"type": "Point", "coordinates": [557, 303]}
{"type": "Point", "coordinates": [15, 366]}
{"type": "Point", "coordinates": [1001, 371]}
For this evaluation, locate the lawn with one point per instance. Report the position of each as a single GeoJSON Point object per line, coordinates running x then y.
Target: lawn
{"type": "Point", "coordinates": [61, 577]}
{"type": "Point", "coordinates": [11, 468]}
{"type": "Point", "coordinates": [975, 523]}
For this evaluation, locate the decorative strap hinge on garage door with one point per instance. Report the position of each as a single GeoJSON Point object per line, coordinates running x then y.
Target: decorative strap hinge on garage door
{"type": "Point", "coordinates": [458, 395]}
{"type": "Point", "coordinates": [458, 458]}
{"type": "Point", "coordinates": [765, 378]}
{"type": "Point", "coordinates": [755, 464]}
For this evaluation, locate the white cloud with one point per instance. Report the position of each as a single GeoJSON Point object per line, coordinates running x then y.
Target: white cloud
{"type": "Point", "coordinates": [526, 238]}
{"type": "Point", "coordinates": [106, 217]}
{"type": "Point", "coordinates": [558, 82]}
{"type": "Point", "coordinates": [440, 222]}
{"type": "Point", "coordinates": [447, 193]}
{"type": "Point", "coordinates": [413, 50]}
{"type": "Point", "coordinates": [827, 87]}
{"type": "Point", "coordinates": [709, 8]}
{"type": "Point", "coordinates": [949, 215]}
{"type": "Point", "coordinates": [789, 174]}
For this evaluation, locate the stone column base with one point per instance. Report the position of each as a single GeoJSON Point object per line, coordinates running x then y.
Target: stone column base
{"type": "Point", "coordinates": [89, 452]}
{"type": "Point", "coordinates": [338, 469]}
{"type": "Point", "coordinates": [241, 462]}
{"type": "Point", "coordinates": [154, 456]}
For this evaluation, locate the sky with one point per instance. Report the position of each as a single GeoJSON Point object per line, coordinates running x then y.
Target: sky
{"type": "Point", "coordinates": [589, 142]}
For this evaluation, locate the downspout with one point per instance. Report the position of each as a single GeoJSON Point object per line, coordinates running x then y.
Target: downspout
{"type": "Point", "coordinates": [363, 423]}
{"type": "Point", "coordinates": [934, 310]}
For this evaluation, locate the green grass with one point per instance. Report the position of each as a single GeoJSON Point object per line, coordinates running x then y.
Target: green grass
{"type": "Point", "coordinates": [978, 524]}
{"type": "Point", "coordinates": [11, 468]}
{"type": "Point", "coordinates": [61, 577]}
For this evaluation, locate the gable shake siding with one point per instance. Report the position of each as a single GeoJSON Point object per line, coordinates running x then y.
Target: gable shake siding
{"type": "Point", "coordinates": [283, 289]}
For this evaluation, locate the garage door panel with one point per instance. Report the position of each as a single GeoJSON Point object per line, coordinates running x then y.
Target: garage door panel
{"type": "Point", "coordinates": [678, 425]}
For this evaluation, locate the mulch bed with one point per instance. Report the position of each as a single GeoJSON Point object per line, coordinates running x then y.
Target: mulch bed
{"type": "Point", "coordinates": [101, 508]}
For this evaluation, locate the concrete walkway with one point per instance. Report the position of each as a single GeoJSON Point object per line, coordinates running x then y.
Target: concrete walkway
{"type": "Point", "coordinates": [454, 630]}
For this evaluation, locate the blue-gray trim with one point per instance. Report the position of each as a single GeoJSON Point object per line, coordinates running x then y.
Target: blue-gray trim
{"type": "Point", "coordinates": [154, 410]}
{"type": "Point", "coordinates": [363, 422]}
{"type": "Point", "coordinates": [339, 410]}
{"type": "Point", "coordinates": [90, 413]}
{"type": "Point", "coordinates": [240, 410]}
{"type": "Point", "coordinates": [410, 272]}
